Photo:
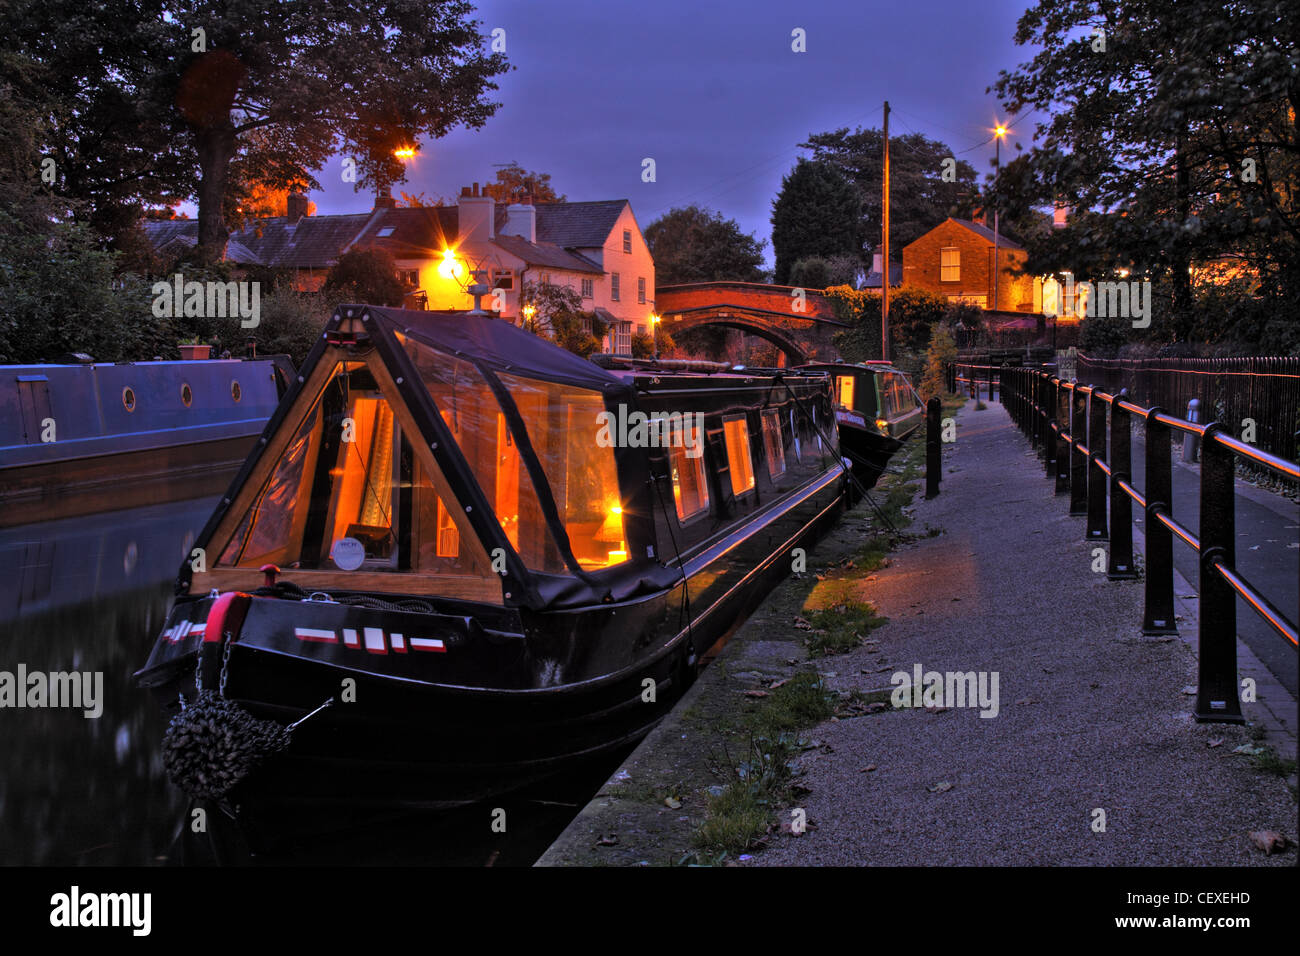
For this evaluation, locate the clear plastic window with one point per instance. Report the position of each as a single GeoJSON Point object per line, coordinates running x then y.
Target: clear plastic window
{"type": "Point", "coordinates": [736, 431]}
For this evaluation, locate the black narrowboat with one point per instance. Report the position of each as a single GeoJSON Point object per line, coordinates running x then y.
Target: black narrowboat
{"type": "Point", "coordinates": [492, 558]}
{"type": "Point", "coordinates": [876, 409]}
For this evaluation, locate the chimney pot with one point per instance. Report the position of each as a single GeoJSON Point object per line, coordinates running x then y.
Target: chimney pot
{"type": "Point", "coordinates": [475, 189]}
{"type": "Point", "coordinates": [464, 190]}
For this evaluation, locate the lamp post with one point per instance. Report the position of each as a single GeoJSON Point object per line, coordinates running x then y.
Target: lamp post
{"type": "Point", "coordinates": [997, 167]}
{"type": "Point", "coordinates": [654, 334]}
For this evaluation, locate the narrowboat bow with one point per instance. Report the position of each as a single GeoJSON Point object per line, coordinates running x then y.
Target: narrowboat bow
{"type": "Point", "coordinates": [876, 408]}
{"type": "Point", "coordinates": [493, 557]}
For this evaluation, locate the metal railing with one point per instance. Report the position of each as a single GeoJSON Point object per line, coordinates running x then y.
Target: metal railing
{"type": "Point", "coordinates": [1084, 436]}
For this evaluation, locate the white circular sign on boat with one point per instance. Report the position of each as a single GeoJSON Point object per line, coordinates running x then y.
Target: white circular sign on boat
{"type": "Point", "coordinates": [348, 553]}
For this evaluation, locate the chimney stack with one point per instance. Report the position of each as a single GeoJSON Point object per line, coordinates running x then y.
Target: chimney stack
{"type": "Point", "coordinates": [1059, 215]}
{"type": "Point", "coordinates": [475, 216]}
{"type": "Point", "coordinates": [296, 207]}
{"type": "Point", "coordinates": [521, 220]}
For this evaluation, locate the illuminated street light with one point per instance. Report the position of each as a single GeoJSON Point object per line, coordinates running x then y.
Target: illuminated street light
{"type": "Point", "coordinates": [450, 267]}
{"type": "Point", "coordinates": [404, 152]}
{"type": "Point", "coordinates": [654, 338]}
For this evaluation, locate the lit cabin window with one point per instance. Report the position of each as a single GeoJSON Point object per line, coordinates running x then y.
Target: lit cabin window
{"type": "Point", "coordinates": [350, 493]}
{"type": "Point", "coordinates": [950, 264]}
{"type": "Point", "coordinates": [773, 444]}
{"type": "Point", "coordinates": [564, 427]}
{"type": "Point", "coordinates": [736, 431]}
{"type": "Point", "coordinates": [844, 391]}
{"type": "Point", "coordinates": [686, 460]}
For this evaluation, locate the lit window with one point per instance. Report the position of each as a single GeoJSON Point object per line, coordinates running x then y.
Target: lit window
{"type": "Point", "coordinates": [736, 431]}
{"type": "Point", "coordinates": [623, 338]}
{"type": "Point", "coordinates": [588, 289]}
{"type": "Point", "coordinates": [950, 264]}
{"type": "Point", "coordinates": [773, 444]}
{"type": "Point", "coordinates": [690, 486]}
{"type": "Point", "coordinates": [409, 277]}
{"type": "Point", "coordinates": [627, 240]}
{"type": "Point", "coordinates": [640, 291]}
{"type": "Point", "coordinates": [844, 391]}
{"type": "Point", "coordinates": [613, 286]}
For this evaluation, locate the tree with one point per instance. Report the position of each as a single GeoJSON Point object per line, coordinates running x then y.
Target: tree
{"type": "Point", "coordinates": [514, 184]}
{"type": "Point", "coordinates": [1172, 128]}
{"type": "Point", "coordinates": [924, 188]}
{"type": "Point", "coordinates": [913, 314]}
{"type": "Point", "coordinates": [941, 353]}
{"type": "Point", "coordinates": [557, 315]}
{"type": "Point", "coordinates": [366, 275]}
{"type": "Point", "coordinates": [692, 244]}
{"type": "Point", "coordinates": [643, 346]}
{"type": "Point", "coordinates": [816, 213]}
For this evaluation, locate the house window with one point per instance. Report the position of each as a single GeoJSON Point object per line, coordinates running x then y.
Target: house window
{"type": "Point", "coordinates": [627, 240]}
{"type": "Point", "coordinates": [505, 279]}
{"type": "Point", "coordinates": [588, 288]}
{"type": "Point", "coordinates": [736, 432]}
{"type": "Point", "coordinates": [613, 286]}
{"type": "Point", "coordinates": [623, 338]}
{"type": "Point", "coordinates": [409, 277]}
{"type": "Point", "coordinates": [686, 461]}
{"type": "Point", "coordinates": [773, 444]}
{"type": "Point", "coordinates": [640, 328]}
{"type": "Point", "coordinates": [950, 264]}
{"type": "Point", "coordinates": [982, 301]}
{"type": "Point", "coordinates": [640, 291]}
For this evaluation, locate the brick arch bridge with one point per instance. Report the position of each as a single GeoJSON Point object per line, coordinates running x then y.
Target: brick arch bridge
{"type": "Point", "coordinates": [768, 311]}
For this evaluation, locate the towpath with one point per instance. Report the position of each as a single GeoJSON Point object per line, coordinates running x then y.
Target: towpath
{"type": "Point", "coordinates": [1088, 756]}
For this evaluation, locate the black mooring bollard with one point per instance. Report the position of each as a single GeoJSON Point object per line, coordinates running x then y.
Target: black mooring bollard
{"type": "Point", "coordinates": [933, 457]}
{"type": "Point", "coordinates": [1216, 692]}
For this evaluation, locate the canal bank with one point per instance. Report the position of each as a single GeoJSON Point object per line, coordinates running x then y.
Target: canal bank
{"type": "Point", "coordinates": [1090, 756]}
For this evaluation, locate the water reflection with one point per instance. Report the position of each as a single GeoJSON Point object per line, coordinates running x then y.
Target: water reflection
{"type": "Point", "coordinates": [88, 594]}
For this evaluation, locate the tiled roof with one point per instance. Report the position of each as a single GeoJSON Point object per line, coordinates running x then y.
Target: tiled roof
{"type": "Point", "coordinates": [419, 232]}
{"type": "Point", "coordinates": [575, 225]}
{"type": "Point", "coordinates": [895, 277]}
{"type": "Point", "coordinates": [987, 233]}
{"type": "Point", "coordinates": [546, 254]}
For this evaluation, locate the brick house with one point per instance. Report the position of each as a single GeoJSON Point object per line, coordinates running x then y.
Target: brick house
{"type": "Point", "coordinates": [595, 248]}
{"type": "Point", "coordinates": [955, 260]}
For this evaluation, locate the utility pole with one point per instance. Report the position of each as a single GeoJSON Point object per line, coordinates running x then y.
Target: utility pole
{"type": "Point", "coordinates": [997, 168]}
{"type": "Point", "coordinates": [884, 244]}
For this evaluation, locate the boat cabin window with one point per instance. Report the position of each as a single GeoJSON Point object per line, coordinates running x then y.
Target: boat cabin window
{"type": "Point", "coordinates": [350, 494]}
{"type": "Point", "coordinates": [686, 460]}
{"type": "Point", "coordinates": [896, 396]}
{"type": "Point", "coordinates": [562, 424]}
{"type": "Point", "coordinates": [773, 444]}
{"type": "Point", "coordinates": [736, 431]}
{"type": "Point", "coordinates": [844, 391]}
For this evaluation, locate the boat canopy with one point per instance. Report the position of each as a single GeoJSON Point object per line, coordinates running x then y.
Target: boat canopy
{"type": "Point", "coordinates": [443, 455]}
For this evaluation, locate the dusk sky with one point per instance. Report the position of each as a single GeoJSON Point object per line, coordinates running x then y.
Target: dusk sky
{"type": "Point", "coordinates": [715, 95]}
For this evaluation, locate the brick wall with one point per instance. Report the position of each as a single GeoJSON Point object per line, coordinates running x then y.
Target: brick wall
{"type": "Point", "coordinates": [923, 258]}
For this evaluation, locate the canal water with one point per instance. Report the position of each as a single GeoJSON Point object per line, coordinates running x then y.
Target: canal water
{"type": "Point", "coordinates": [89, 594]}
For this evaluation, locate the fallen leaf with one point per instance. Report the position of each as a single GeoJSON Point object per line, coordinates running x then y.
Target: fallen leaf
{"type": "Point", "coordinates": [937, 710]}
{"type": "Point", "coordinates": [1189, 691]}
{"type": "Point", "coordinates": [802, 625]}
{"type": "Point", "coordinates": [868, 768]}
{"type": "Point", "coordinates": [1216, 742]}
{"type": "Point", "coordinates": [780, 683]}
{"type": "Point", "coordinates": [1270, 841]}
{"type": "Point", "coordinates": [1025, 700]}
{"type": "Point", "coordinates": [1246, 750]}
{"type": "Point", "coordinates": [941, 787]}
{"type": "Point", "coordinates": [672, 803]}
{"type": "Point", "coordinates": [755, 693]}
{"type": "Point", "coordinates": [609, 840]}
{"type": "Point", "coordinates": [875, 707]}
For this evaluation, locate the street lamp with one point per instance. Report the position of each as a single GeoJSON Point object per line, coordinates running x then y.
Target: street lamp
{"type": "Point", "coordinates": [998, 133]}
{"type": "Point", "coordinates": [529, 312]}
{"type": "Point", "coordinates": [654, 337]}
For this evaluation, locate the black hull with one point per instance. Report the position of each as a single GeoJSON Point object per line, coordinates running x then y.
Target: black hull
{"type": "Point", "coordinates": [413, 744]}
{"type": "Point", "coordinates": [869, 452]}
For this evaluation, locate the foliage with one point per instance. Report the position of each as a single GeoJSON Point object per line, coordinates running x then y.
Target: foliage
{"type": "Point", "coordinates": [706, 341]}
{"type": "Point", "coordinates": [643, 346]}
{"type": "Point", "coordinates": [816, 213]}
{"type": "Point", "coordinates": [941, 353]}
{"type": "Point", "coordinates": [1177, 142]}
{"type": "Point", "coordinates": [292, 321]}
{"type": "Point", "coordinates": [514, 184]}
{"type": "Point", "coordinates": [811, 272]}
{"type": "Point", "coordinates": [366, 275]}
{"type": "Point", "coordinates": [920, 199]}
{"type": "Point", "coordinates": [912, 314]}
{"type": "Point", "coordinates": [272, 93]}
{"type": "Point", "coordinates": [692, 244]}
{"type": "Point", "coordinates": [558, 316]}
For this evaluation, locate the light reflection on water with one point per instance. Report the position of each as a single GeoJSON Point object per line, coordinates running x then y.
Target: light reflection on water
{"type": "Point", "coordinates": [89, 594]}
